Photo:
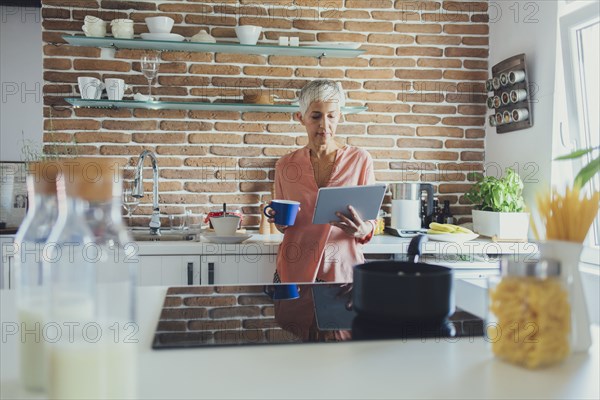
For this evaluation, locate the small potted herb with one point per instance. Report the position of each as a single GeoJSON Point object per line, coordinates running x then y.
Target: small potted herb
{"type": "Point", "coordinates": [499, 206]}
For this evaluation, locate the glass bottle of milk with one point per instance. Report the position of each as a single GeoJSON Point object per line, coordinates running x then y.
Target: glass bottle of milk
{"type": "Point", "coordinates": [92, 299]}
{"type": "Point", "coordinates": [28, 246]}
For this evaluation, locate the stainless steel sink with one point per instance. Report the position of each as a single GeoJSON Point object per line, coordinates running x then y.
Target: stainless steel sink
{"type": "Point", "coordinates": [166, 235]}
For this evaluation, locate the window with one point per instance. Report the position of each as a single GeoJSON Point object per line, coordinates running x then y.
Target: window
{"type": "Point", "coordinates": [580, 31]}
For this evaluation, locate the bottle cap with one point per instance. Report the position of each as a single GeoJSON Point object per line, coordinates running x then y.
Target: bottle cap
{"type": "Point", "coordinates": [91, 179]}
{"type": "Point", "coordinates": [43, 175]}
{"type": "Point", "coordinates": [542, 268]}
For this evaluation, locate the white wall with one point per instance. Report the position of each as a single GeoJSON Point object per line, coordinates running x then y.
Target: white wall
{"type": "Point", "coordinates": [528, 27]}
{"type": "Point", "coordinates": [21, 81]}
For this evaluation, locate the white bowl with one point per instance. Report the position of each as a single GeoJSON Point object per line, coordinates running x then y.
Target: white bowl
{"type": "Point", "coordinates": [248, 34]}
{"type": "Point", "coordinates": [160, 24]}
{"type": "Point", "coordinates": [225, 225]}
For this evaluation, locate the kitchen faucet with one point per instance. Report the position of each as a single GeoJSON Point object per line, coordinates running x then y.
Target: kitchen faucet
{"type": "Point", "coordinates": [138, 189]}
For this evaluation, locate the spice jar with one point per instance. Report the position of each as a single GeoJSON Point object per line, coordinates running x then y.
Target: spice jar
{"type": "Point", "coordinates": [529, 313]}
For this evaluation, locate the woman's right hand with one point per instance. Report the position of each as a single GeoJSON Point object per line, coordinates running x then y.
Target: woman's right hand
{"type": "Point", "coordinates": [280, 228]}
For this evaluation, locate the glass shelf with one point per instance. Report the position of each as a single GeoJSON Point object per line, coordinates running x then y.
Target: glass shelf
{"type": "Point", "coordinates": [187, 105]}
{"type": "Point", "coordinates": [162, 45]}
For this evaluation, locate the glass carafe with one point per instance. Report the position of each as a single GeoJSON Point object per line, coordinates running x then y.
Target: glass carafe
{"type": "Point", "coordinates": [529, 313]}
{"type": "Point", "coordinates": [93, 287]}
{"type": "Point", "coordinates": [28, 247]}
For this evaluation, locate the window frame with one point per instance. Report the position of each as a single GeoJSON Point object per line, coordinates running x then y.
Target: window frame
{"type": "Point", "coordinates": [576, 16]}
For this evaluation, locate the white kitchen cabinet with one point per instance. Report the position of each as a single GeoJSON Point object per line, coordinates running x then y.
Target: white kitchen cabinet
{"type": "Point", "coordinates": [177, 270]}
{"type": "Point", "coordinates": [237, 269]}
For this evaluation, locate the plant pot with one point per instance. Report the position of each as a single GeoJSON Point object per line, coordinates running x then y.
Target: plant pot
{"type": "Point", "coordinates": [501, 225]}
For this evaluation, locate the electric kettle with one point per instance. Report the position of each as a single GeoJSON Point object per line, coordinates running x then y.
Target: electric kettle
{"type": "Point", "coordinates": [406, 205]}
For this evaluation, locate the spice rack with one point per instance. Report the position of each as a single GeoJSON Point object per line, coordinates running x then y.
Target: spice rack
{"type": "Point", "coordinates": [511, 99]}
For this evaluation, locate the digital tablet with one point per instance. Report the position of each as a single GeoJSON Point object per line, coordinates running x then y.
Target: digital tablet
{"type": "Point", "coordinates": [332, 310]}
{"type": "Point", "coordinates": [366, 200]}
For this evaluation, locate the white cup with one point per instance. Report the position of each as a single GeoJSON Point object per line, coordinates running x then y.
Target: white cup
{"type": "Point", "coordinates": [122, 28]}
{"type": "Point", "coordinates": [90, 87]}
{"type": "Point", "coordinates": [94, 26]}
{"type": "Point", "coordinates": [520, 114]}
{"type": "Point", "coordinates": [225, 225]}
{"type": "Point", "coordinates": [294, 41]}
{"type": "Point", "coordinates": [115, 88]}
{"type": "Point", "coordinates": [248, 34]}
{"type": "Point", "coordinates": [283, 40]}
{"type": "Point", "coordinates": [159, 24]}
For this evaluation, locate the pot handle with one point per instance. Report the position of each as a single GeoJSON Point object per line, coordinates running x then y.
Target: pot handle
{"type": "Point", "coordinates": [415, 248]}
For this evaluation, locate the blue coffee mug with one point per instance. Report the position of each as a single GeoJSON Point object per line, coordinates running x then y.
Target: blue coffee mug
{"type": "Point", "coordinates": [285, 211]}
{"type": "Point", "coordinates": [286, 292]}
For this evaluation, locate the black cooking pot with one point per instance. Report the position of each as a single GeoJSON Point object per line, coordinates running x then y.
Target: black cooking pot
{"type": "Point", "coordinates": [403, 291]}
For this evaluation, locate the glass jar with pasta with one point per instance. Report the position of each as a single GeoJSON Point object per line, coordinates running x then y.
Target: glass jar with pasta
{"type": "Point", "coordinates": [529, 320]}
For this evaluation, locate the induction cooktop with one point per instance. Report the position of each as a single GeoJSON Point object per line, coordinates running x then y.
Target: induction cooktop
{"type": "Point", "coordinates": [207, 316]}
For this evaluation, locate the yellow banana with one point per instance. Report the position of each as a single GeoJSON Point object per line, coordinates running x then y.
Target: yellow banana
{"type": "Point", "coordinates": [434, 232]}
{"type": "Point", "coordinates": [463, 230]}
{"type": "Point", "coordinates": [441, 227]}
{"type": "Point", "coordinates": [447, 228]}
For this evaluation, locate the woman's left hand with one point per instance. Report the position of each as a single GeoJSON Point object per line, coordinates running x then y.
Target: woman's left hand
{"type": "Point", "coordinates": [353, 226]}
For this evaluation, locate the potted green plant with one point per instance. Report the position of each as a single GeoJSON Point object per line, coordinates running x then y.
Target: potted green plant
{"type": "Point", "coordinates": [499, 206]}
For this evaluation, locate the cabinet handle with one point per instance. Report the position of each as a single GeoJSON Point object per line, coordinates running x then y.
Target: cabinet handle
{"type": "Point", "coordinates": [211, 273]}
{"type": "Point", "coordinates": [190, 273]}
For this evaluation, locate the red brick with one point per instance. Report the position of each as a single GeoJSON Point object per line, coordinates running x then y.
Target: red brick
{"type": "Point", "coordinates": [464, 144]}
{"type": "Point", "coordinates": [419, 51]}
{"type": "Point", "coordinates": [418, 28]}
{"type": "Point", "coordinates": [105, 65]}
{"type": "Point", "coordinates": [67, 50]}
{"type": "Point", "coordinates": [435, 155]}
{"type": "Point", "coordinates": [57, 63]}
{"type": "Point", "coordinates": [416, 119]}
{"type": "Point", "coordinates": [378, 26]}
{"type": "Point", "coordinates": [463, 121]}
{"type": "Point", "coordinates": [439, 131]}
{"type": "Point", "coordinates": [419, 143]}
{"type": "Point", "coordinates": [418, 74]}
{"type": "Point", "coordinates": [209, 301]}
{"type": "Point", "coordinates": [469, 29]}
{"type": "Point", "coordinates": [471, 156]}
{"type": "Point", "coordinates": [426, 109]}
{"type": "Point", "coordinates": [127, 5]}
{"type": "Point", "coordinates": [146, 125]}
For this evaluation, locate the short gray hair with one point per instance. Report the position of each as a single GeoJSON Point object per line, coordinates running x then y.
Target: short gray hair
{"type": "Point", "coordinates": [321, 90]}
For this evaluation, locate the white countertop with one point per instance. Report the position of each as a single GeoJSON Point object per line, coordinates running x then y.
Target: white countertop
{"type": "Point", "coordinates": [351, 370]}
{"type": "Point", "coordinates": [383, 244]}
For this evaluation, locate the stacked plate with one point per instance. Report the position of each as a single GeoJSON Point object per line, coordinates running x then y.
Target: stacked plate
{"type": "Point", "coordinates": [236, 238]}
{"type": "Point", "coordinates": [172, 37]}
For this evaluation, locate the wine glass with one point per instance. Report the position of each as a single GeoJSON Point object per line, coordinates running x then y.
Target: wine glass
{"type": "Point", "coordinates": [130, 202]}
{"type": "Point", "coordinates": [149, 66]}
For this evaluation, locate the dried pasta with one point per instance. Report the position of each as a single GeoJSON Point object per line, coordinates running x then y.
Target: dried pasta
{"type": "Point", "coordinates": [533, 321]}
{"type": "Point", "coordinates": [567, 216]}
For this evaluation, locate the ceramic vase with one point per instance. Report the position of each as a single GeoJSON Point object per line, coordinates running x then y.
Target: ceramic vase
{"type": "Point", "coordinates": [569, 253]}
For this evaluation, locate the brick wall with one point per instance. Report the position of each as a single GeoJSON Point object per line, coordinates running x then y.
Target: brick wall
{"type": "Point", "coordinates": [422, 78]}
{"type": "Point", "coordinates": [221, 315]}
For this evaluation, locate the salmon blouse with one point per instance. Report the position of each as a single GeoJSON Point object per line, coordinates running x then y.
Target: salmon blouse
{"type": "Point", "coordinates": [309, 252]}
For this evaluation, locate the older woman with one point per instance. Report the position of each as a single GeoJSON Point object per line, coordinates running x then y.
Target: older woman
{"type": "Point", "coordinates": [310, 252]}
